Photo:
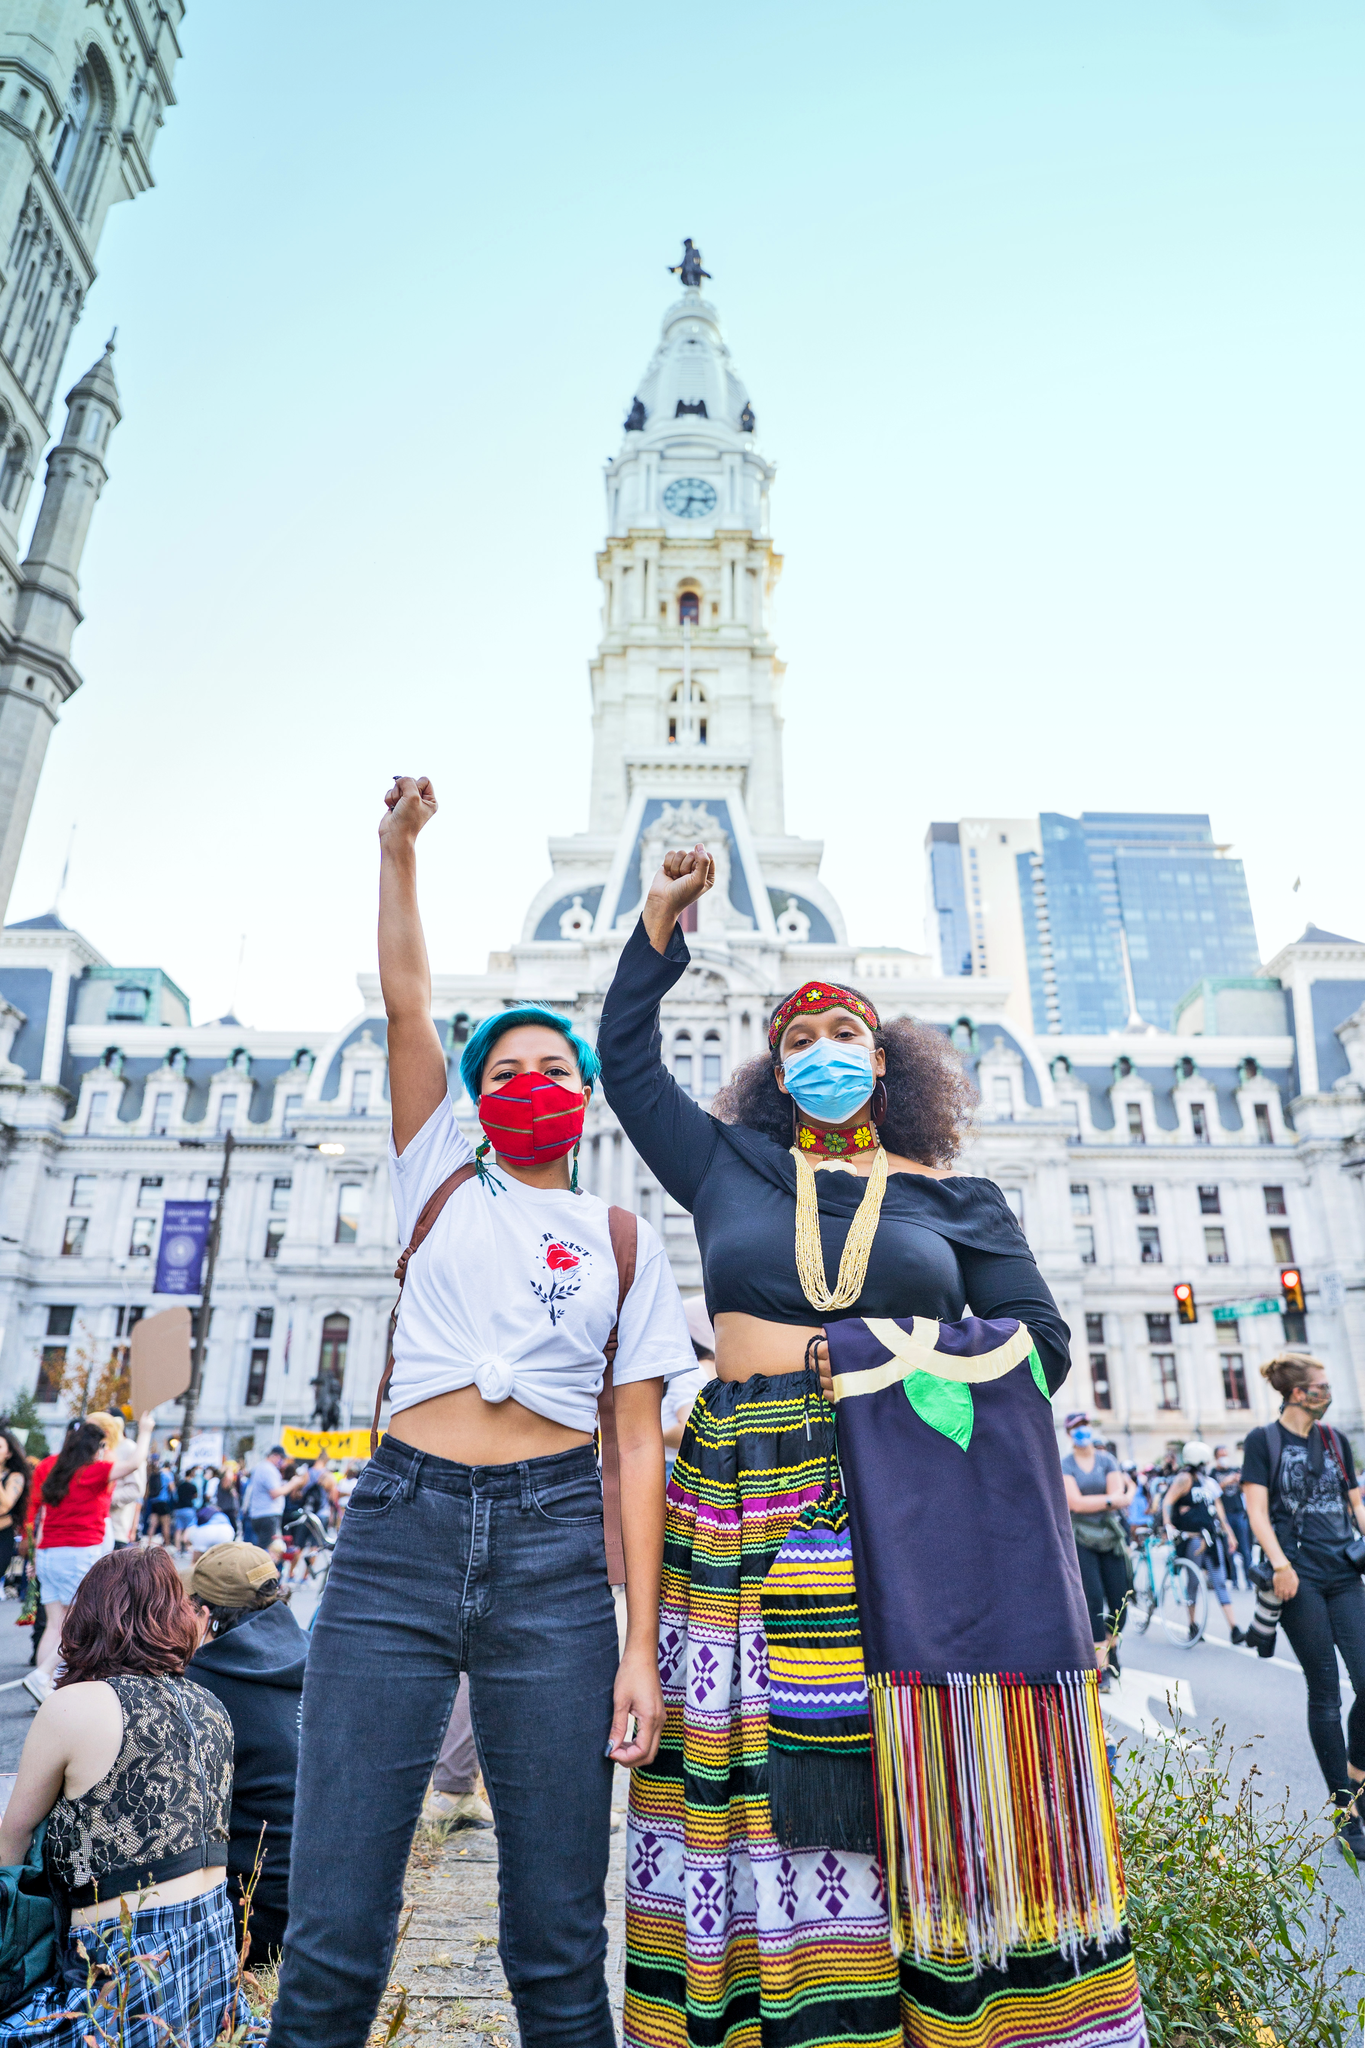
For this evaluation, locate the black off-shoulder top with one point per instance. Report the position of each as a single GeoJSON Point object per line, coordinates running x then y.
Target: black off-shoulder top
{"type": "Point", "coordinates": [944, 1248]}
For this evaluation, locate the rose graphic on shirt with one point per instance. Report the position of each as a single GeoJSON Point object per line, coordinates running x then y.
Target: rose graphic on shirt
{"type": "Point", "coordinates": [566, 1265]}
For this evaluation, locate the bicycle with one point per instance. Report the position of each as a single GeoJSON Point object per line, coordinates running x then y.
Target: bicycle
{"type": "Point", "coordinates": [307, 1544]}
{"type": "Point", "coordinates": [1172, 1589]}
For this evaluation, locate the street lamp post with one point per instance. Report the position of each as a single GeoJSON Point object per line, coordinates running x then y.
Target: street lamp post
{"type": "Point", "coordinates": [190, 1403]}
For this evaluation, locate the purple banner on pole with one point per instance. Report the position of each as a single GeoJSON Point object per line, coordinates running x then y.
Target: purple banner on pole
{"type": "Point", "coordinates": [184, 1237]}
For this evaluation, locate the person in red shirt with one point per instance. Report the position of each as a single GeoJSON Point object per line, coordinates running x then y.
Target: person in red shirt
{"type": "Point", "coordinates": [69, 1501]}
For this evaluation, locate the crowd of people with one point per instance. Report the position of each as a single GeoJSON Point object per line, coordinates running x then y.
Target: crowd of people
{"type": "Point", "coordinates": [606, 1529]}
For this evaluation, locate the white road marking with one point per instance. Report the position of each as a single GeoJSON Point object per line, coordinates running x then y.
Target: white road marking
{"type": "Point", "coordinates": [1129, 1693]}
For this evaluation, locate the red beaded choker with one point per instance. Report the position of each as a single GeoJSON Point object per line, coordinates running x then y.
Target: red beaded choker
{"type": "Point", "coordinates": [837, 1144]}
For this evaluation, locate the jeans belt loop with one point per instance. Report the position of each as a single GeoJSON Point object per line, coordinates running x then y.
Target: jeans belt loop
{"type": "Point", "coordinates": [410, 1483]}
{"type": "Point", "coordinates": [525, 1471]}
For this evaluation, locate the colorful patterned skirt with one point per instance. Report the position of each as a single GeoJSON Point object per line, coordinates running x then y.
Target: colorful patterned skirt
{"type": "Point", "coordinates": [733, 1941]}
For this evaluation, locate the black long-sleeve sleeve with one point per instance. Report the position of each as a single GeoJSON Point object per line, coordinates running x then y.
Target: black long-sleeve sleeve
{"type": "Point", "coordinates": [1003, 1283]}
{"type": "Point", "coordinates": [675, 1138]}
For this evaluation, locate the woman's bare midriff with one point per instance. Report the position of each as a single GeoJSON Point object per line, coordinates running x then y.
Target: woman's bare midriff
{"type": "Point", "coordinates": [169, 1893]}
{"type": "Point", "coordinates": [749, 1344]}
{"type": "Point", "coordinates": [463, 1426]}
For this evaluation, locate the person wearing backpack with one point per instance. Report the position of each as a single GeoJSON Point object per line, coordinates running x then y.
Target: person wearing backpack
{"type": "Point", "coordinates": [1303, 1501]}
{"type": "Point", "coordinates": [474, 1539]}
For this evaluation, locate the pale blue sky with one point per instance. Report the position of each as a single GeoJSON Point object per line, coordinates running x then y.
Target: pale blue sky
{"type": "Point", "coordinates": [1053, 319]}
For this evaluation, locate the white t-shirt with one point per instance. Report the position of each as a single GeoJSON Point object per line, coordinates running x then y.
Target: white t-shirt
{"type": "Point", "coordinates": [208, 1535]}
{"type": "Point", "coordinates": [514, 1290]}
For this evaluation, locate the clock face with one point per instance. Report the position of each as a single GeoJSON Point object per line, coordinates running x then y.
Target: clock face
{"type": "Point", "coordinates": [689, 497]}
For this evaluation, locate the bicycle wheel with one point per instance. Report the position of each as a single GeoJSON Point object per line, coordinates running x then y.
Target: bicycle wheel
{"type": "Point", "coordinates": [1184, 1603]}
{"type": "Point", "coordinates": [1142, 1600]}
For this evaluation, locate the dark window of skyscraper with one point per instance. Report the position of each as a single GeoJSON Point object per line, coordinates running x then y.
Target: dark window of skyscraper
{"type": "Point", "coordinates": [1274, 1202]}
{"type": "Point", "coordinates": [1144, 1201]}
{"type": "Point", "coordinates": [1149, 1246]}
{"type": "Point", "coordinates": [1136, 1134]}
{"type": "Point", "coordinates": [1264, 1134]}
{"type": "Point", "coordinates": [1094, 1329]}
{"type": "Point", "coordinates": [1158, 1329]}
{"type": "Point", "coordinates": [1209, 1202]}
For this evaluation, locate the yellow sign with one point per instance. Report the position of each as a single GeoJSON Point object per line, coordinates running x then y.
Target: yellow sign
{"type": "Point", "coordinates": [326, 1443]}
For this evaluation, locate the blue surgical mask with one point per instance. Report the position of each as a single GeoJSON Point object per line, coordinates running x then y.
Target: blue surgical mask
{"type": "Point", "coordinates": [830, 1081]}
{"type": "Point", "coordinates": [1082, 1436]}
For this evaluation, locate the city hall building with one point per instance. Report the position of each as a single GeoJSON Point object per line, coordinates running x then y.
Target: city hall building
{"type": "Point", "coordinates": [1209, 1137]}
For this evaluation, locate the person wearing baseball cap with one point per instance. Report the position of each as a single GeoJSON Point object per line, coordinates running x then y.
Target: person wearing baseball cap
{"type": "Point", "coordinates": [251, 1657]}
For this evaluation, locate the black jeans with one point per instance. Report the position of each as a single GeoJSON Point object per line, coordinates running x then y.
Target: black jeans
{"type": "Point", "coordinates": [498, 1570]}
{"type": "Point", "coordinates": [1104, 1581]}
{"type": "Point", "coordinates": [1327, 1614]}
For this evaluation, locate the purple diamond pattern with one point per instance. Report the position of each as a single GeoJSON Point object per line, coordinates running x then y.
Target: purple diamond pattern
{"type": "Point", "coordinates": [649, 1854]}
{"type": "Point", "coordinates": [786, 1887]}
{"type": "Point", "coordinates": [758, 1662]}
{"type": "Point", "coordinates": [829, 1882]}
{"type": "Point", "coordinates": [706, 1900]}
{"type": "Point", "coordinates": [704, 1668]}
{"type": "Point", "coordinates": [670, 1649]}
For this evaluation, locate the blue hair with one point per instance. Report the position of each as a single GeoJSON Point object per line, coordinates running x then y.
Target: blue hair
{"type": "Point", "coordinates": [476, 1054]}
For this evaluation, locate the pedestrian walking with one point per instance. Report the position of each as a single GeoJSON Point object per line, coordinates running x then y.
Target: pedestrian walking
{"type": "Point", "coordinates": [1098, 1492]}
{"type": "Point", "coordinates": [1227, 1470]}
{"type": "Point", "coordinates": [1197, 1523]}
{"type": "Point", "coordinates": [130, 1763]}
{"type": "Point", "coordinates": [70, 1506]}
{"type": "Point", "coordinates": [732, 1932]}
{"type": "Point", "coordinates": [474, 1540]}
{"type": "Point", "coordinates": [1303, 1501]}
{"type": "Point", "coordinates": [266, 1490]}
{"type": "Point", "coordinates": [16, 1479]}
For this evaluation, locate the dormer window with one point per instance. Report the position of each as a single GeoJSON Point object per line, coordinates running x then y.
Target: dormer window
{"type": "Point", "coordinates": [129, 1004]}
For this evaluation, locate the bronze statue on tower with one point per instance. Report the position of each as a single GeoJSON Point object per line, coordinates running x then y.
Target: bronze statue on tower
{"type": "Point", "coordinates": [689, 270]}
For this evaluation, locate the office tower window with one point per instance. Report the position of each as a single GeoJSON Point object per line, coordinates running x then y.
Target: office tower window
{"type": "Point", "coordinates": [161, 1114]}
{"type": "Point", "coordinates": [255, 1379]}
{"type": "Point", "coordinates": [1274, 1202]}
{"type": "Point", "coordinates": [1216, 1247]}
{"type": "Point", "coordinates": [1085, 1243]}
{"type": "Point", "coordinates": [73, 1237]}
{"type": "Point", "coordinates": [1080, 1198]}
{"type": "Point", "coordinates": [265, 1325]}
{"type": "Point", "coordinates": [143, 1237]}
{"type": "Point", "coordinates": [1165, 1381]}
{"type": "Point", "coordinates": [1094, 1329]}
{"type": "Point", "coordinates": [1158, 1329]}
{"type": "Point", "coordinates": [1199, 1123]}
{"type": "Point", "coordinates": [1144, 1201]}
{"type": "Point", "coordinates": [1210, 1202]}
{"type": "Point", "coordinates": [1264, 1134]}
{"type": "Point", "coordinates": [348, 1212]}
{"type": "Point", "coordinates": [1234, 1380]}
{"type": "Point", "coordinates": [1099, 1379]}
{"type": "Point", "coordinates": [1282, 1246]}
{"type": "Point", "coordinates": [1136, 1134]}
{"type": "Point", "coordinates": [1149, 1246]}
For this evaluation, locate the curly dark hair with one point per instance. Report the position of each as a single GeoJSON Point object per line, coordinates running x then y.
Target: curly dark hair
{"type": "Point", "coordinates": [929, 1098]}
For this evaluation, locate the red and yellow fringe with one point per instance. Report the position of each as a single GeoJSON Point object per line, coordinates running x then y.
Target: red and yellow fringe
{"type": "Point", "coordinates": [995, 1815]}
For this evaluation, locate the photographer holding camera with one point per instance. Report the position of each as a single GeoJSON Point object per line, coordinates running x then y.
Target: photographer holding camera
{"type": "Point", "coordinates": [1303, 1499]}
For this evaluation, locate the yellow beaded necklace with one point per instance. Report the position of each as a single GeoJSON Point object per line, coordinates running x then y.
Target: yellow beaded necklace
{"type": "Point", "coordinates": [810, 1255]}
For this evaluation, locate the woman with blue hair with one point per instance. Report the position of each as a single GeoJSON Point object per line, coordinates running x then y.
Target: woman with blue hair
{"type": "Point", "coordinates": [473, 1541]}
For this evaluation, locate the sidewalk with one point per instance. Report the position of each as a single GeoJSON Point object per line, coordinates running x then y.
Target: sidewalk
{"type": "Point", "coordinates": [16, 1707]}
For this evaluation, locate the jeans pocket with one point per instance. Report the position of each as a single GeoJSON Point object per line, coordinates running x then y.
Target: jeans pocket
{"type": "Point", "coordinates": [374, 1494]}
{"type": "Point", "coordinates": [576, 1502]}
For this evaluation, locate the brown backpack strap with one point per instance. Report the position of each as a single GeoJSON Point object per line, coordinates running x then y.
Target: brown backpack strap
{"type": "Point", "coordinates": [431, 1209]}
{"type": "Point", "coordinates": [624, 1242]}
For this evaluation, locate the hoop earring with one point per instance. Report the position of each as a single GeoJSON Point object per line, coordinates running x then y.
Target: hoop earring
{"type": "Point", "coordinates": [879, 1103]}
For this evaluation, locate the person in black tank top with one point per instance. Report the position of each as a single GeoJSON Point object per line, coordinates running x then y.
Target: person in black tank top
{"type": "Point", "coordinates": [1303, 1501]}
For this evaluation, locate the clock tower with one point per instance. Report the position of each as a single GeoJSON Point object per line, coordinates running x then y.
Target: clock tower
{"type": "Point", "coordinates": [686, 683]}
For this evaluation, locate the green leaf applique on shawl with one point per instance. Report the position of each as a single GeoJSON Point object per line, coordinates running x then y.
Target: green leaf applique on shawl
{"type": "Point", "coordinates": [1035, 1366]}
{"type": "Point", "coordinates": [946, 1405]}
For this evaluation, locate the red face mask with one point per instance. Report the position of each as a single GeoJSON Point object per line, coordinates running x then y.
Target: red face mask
{"type": "Point", "coordinates": [532, 1119]}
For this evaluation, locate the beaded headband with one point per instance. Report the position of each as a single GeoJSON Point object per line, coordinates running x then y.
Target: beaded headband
{"type": "Point", "coordinates": [811, 1000]}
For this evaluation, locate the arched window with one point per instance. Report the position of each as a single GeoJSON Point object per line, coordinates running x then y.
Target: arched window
{"type": "Point", "coordinates": [710, 1063]}
{"type": "Point", "coordinates": [332, 1357]}
{"type": "Point", "coordinates": [14, 472]}
{"type": "Point", "coordinates": [75, 115]}
{"type": "Point", "coordinates": [689, 609]}
{"type": "Point", "coordinates": [682, 1060]}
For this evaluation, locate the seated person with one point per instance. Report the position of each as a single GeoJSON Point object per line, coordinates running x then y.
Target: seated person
{"type": "Point", "coordinates": [130, 1763]}
{"type": "Point", "coordinates": [251, 1657]}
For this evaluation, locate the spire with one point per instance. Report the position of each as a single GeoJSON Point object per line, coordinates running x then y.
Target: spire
{"type": "Point", "coordinates": [98, 386]}
{"type": "Point", "coordinates": [691, 376]}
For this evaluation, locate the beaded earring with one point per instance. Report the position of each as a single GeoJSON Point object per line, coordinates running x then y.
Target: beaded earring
{"type": "Point", "coordinates": [573, 1177]}
{"type": "Point", "coordinates": [479, 1151]}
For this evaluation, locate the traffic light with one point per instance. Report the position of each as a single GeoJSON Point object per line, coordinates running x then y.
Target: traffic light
{"type": "Point", "coordinates": [1185, 1307]}
{"type": "Point", "coordinates": [1291, 1287]}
